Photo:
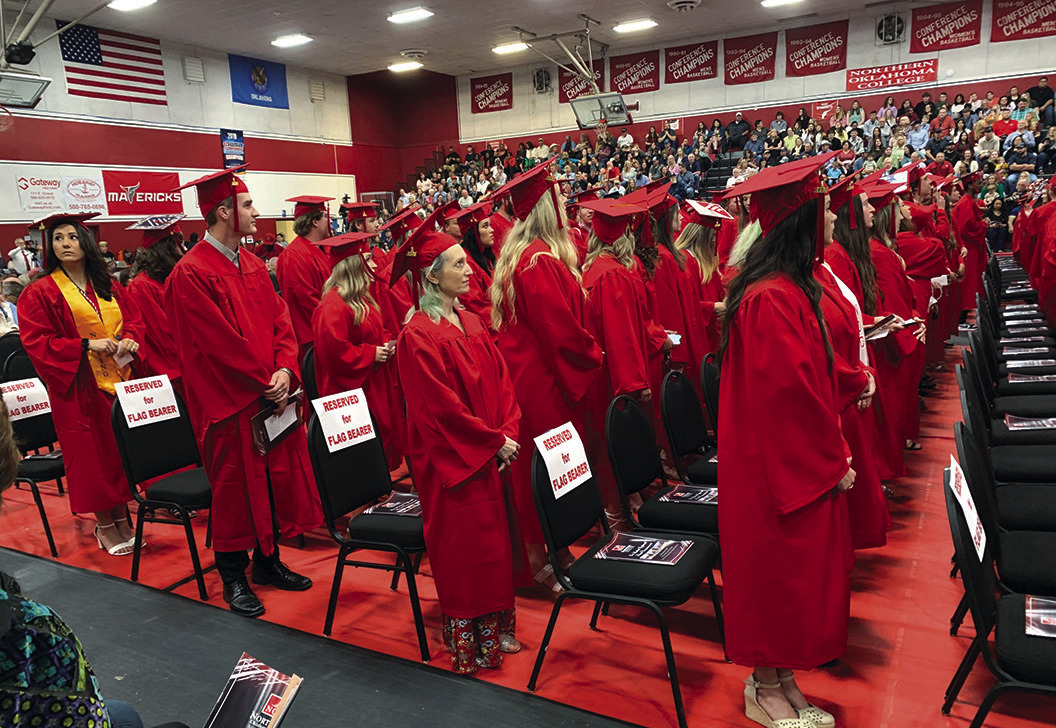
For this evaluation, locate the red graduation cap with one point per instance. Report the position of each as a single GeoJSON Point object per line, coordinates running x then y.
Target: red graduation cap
{"type": "Point", "coordinates": [612, 218]}
{"type": "Point", "coordinates": [59, 218]}
{"type": "Point", "coordinates": [594, 193]}
{"type": "Point", "coordinates": [419, 251]}
{"type": "Point", "coordinates": [448, 211]}
{"type": "Point", "coordinates": [708, 214]}
{"type": "Point", "coordinates": [304, 204]}
{"type": "Point", "coordinates": [269, 239]}
{"type": "Point", "coordinates": [360, 210]}
{"type": "Point", "coordinates": [843, 193]}
{"type": "Point", "coordinates": [472, 216]}
{"type": "Point", "coordinates": [659, 200]}
{"type": "Point", "coordinates": [216, 187]}
{"type": "Point", "coordinates": [975, 176]}
{"type": "Point", "coordinates": [403, 221]}
{"type": "Point", "coordinates": [344, 246]}
{"type": "Point", "coordinates": [920, 214]}
{"type": "Point", "coordinates": [880, 194]}
{"type": "Point", "coordinates": [527, 189]}
{"type": "Point", "coordinates": [158, 227]}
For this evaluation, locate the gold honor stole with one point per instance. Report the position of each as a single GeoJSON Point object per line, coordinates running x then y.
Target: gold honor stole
{"type": "Point", "coordinates": [106, 323]}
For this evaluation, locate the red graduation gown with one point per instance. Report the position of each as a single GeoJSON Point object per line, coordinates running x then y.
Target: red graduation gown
{"type": "Point", "coordinates": [552, 359]}
{"type": "Point", "coordinates": [678, 298]}
{"type": "Point", "coordinates": [925, 258]}
{"type": "Point", "coordinates": [267, 252]}
{"type": "Point", "coordinates": [839, 260]}
{"type": "Point", "coordinates": [970, 231]}
{"type": "Point", "coordinates": [657, 336]}
{"type": "Point", "coordinates": [234, 332]}
{"type": "Point", "coordinates": [580, 238]}
{"type": "Point", "coordinates": [158, 347]}
{"type": "Point", "coordinates": [344, 360]}
{"type": "Point", "coordinates": [724, 240]}
{"type": "Point", "coordinates": [81, 411]}
{"type": "Point", "coordinates": [302, 270]}
{"type": "Point", "coordinates": [786, 547]}
{"type": "Point", "coordinates": [461, 408]}
{"type": "Point", "coordinates": [1045, 228]}
{"type": "Point", "coordinates": [712, 291]}
{"type": "Point", "coordinates": [477, 299]}
{"type": "Point", "coordinates": [500, 226]}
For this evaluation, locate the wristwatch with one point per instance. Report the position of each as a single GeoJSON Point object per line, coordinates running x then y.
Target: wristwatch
{"type": "Point", "coordinates": [84, 344]}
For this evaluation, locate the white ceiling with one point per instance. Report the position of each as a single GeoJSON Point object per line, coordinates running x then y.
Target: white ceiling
{"type": "Point", "coordinates": [354, 37]}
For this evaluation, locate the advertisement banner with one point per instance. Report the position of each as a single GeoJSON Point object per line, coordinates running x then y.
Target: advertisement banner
{"type": "Point", "coordinates": [636, 73]}
{"type": "Point", "coordinates": [257, 82]}
{"type": "Point", "coordinates": [816, 49]}
{"type": "Point", "coordinates": [44, 193]}
{"type": "Point", "coordinates": [39, 193]}
{"type": "Point", "coordinates": [491, 93]}
{"type": "Point", "coordinates": [901, 74]}
{"type": "Point", "coordinates": [940, 27]}
{"type": "Point", "coordinates": [572, 87]}
{"type": "Point", "coordinates": [84, 193]}
{"type": "Point", "coordinates": [1022, 19]}
{"type": "Point", "coordinates": [232, 147]}
{"type": "Point", "coordinates": [142, 193]}
{"type": "Point", "coordinates": [693, 62]}
{"type": "Point", "coordinates": [750, 58]}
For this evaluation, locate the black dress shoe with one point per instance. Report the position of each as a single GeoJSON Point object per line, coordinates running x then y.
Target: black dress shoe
{"type": "Point", "coordinates": [242, 599]}
{"type": "Point", "coordinates": [279, 576]}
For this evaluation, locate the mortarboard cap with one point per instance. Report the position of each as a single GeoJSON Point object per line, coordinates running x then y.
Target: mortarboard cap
{"type": "Point", "coordinates": [708, 214]}
{"type": "Point", "coordinates": [779, 191]}
{"type": "Point", "coordinates": [972, 177]}
{"type": "Point", "coordinates": [269, 239]}
{"type": "Point", "coordinates": [448, 210]}
{"type": "Point", "coordinates": [304, 204]}
{"type": "Point", "coordinates": [216, 187]}
{"type": "Point", "coordinates": [844, 192]}
{"type": "Point", "coordinates": [421, 248]}
{"type": "Point", "coordinates": [594, 193]}
{"type": "Point", "coordinates": [611, 218]}
{"type": "Point", "coordinates": [158, 227]}
{"type": "Point", "coordinates": [472, 216]}
{"type": "Point", "coordinates": [526, 190]}
{"type": "Point", "coordinates": [360, 210]}
{"type": "Point", "coordinates": [920, 214]}
{"type": "Point", "coordinates": [403, 221]}
{"type": "Point", "coordinates": [61, 217]}
{"type": "Point", "coordinates": [344, 246]}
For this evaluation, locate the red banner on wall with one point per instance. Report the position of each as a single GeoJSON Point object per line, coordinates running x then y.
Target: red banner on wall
{"type": "Point", "coordinates": [572, 87]}
{"type": "Point", "coordinates": [636, 73]}
{"type": "Point", "coordinates": [142, 193]}
{"type": "Point", "coordinates": [901, 74]}
{"type": "Point", "coordinates": [692, 62]}
{"type": "Point", "coordinates": [1022, 19]}
{"type": "Point", "coordinates": [750, 58]}
{"type": "Point", "coordinates": [953, 25]}
{"type": "Point", "coordinates": [491, 93]}
{"type": "Point", "coordinates": [822, 110]}
{"type": "Point", "coordinates": [816, 49]}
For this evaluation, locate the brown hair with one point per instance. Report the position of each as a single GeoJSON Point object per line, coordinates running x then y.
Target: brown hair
{"type": "Point", "coordinates": [303, 225]}
{"type": "Point", "coordinates": [9, 455]}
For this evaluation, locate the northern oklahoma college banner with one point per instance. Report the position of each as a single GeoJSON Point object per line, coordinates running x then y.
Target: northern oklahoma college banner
{"type": "Point", "coordinates": [750, 58]}
{"type": "Point", "coordinates": [635, 73]}
{"type": "Point", "coordinates": [692, 62]}
{"type": "Point", "coordinates": [816, 49]}
{"type": "Point", "coordinates": [953, 25]}
{"type": "Point", "coordinates": [491, 93]}
{"type": "Point", "coordinates": [1022, 19]}
{"type": "Point", "coordinates": [142, 193]}
{"type": "Point", "coordinates": [901, 74]}
{"type": "Point", "coordinates": [572, 87]}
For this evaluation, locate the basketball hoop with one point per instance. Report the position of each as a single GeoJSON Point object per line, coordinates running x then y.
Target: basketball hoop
{"type": "Point", "coordinates": [6, 119]}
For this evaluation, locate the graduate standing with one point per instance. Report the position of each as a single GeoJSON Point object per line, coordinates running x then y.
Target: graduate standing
{"type": "Point", "coordinates": [478, 240]}
{"type": "Point", "coordinates": [303, 268]}
{"type": "Point", "coordinates": [700, 224]}
{"type": "Point", "coordinates": [74, 321]}
{"type": "Point", "coordinates": [463, 419]}
{"type": "Point", "coordinates": [237, 352]}
{"type": "Point", "coordinates": [970, 231]}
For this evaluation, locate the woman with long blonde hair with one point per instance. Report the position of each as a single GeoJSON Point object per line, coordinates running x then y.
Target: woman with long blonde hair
{"type": "Point", "coordinates": [697, 241]}
{"type": "Point", "coordinates": [353, 348]}
{"type": "Point", "coordinates": [539, 312]}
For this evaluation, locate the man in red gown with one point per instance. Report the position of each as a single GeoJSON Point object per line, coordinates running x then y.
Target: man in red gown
{"type": "Point", "coordinates": [579, 221]}
{"type": "Point", "coordinates": [502, 217]}
{"type": "Point", "coordinates": [970, 230]}
{"type": "Point", "coordinates": [303, 268]}
{"type": "Point", "coordinates": [268, 249]}
{"type": "Point", "coordinates": [238, 353]}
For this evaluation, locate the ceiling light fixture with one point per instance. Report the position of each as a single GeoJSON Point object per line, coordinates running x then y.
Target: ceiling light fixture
{"type": "Point", "coordinates": [510, 48]}
{"type": "Point", "coordinates": [778, 3]}
{"type": "Point", "coordinates": [412, 15]}
{"type": "Point", "coordinates": [632, 25]}
{"type": "Point", "coordinates": [127, 5]}
{"type": "Point", "coordinates": [290, 41]}
{"type": "Point", "coordinates": [406, 66]}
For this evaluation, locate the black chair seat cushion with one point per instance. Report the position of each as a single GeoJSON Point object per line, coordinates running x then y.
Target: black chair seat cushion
{"type": "Point", "coordinates": [1023, 463]}
{"type": "Point", "coordinates": [1026, 506]}
{"type": "Point", "coordinates": [1006, 388]}
{"type": "Point", "coordinates": [1025, 405]}
{"type": "Point", "coordinates": [1001, 435]}
{"type": "Point", "coordinates": [1022, 563]}
{"type": "Point", "coordinates": [404, 531]}
{"type": "Point", "coordinates": [188, 488]}
{"type": "Point", "coordinates": [39, 469]}
{"type": "Point", "coordinates": [1024, 657]}
{"type": "Point", "coordinates": [703, 472]}
{"type": "Point", "coordinates": [665, 516]}
{"type": "Point", "coordinates": [650, 581]}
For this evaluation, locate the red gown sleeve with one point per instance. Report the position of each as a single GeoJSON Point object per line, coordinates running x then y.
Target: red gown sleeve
{"type": "Point", "coordinates": [55, 356]}
{"type": "Point", "coordinates": [340, 351]}
{"type": "Point", "coordinates": [619, 322]}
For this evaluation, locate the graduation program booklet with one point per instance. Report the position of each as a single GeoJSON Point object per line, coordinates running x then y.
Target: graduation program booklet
{"type": "Point", "coordinates": [398, 504]}
{"type": "Point", "coordinates": [269, 429]}
{"type": "Point", "coordinates": [1030, 423]}
{"type": "Point", "coordinates": [1025, 363]}
{"type": "Point", "coordinates": [1041, 616]}
{"type": "Point", "coordinates": [1016, 350]}
{"type": "Point", "coordinates": [1021, 340]}
{"type": "Point", "coordinates": [1014, 377]}
{"type": "Point", "coordinates": [646, 549]}
{"type": "Point", "coordinates": [683, 493]}
{"type": "Point", "coordinates": [881, 328]}
{"type": "Point", "coordinates": [256, 696]}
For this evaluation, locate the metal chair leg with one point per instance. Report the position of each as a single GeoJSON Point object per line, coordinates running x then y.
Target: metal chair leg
{"type": "Point", "coordinates": [963, 670]}
{"type": "Point", "coordinates": [594, 617]}
{"type": "Point", "coordinates": [958, 615]}
{"type": "Point", "coordinates": [58, 484]}
{"type": "Point", "coordinates": [193, 547]}
{"type": "Point", "coordinates": [43, 514]}
{"type": "Point", "coordinates": [416, 610]}
{"type": "Point", "coordinates": [672, 673]}
{"type": "Point", "coordinates": [546, 640]}
{"type": "Point", "coordinates": [209, 530]}
{"type": "Point", "coordinates": [396, 573]}
{"type": "Point", "coordinates": [331, 607]}
{"type": "Point", "coordinates": [988, 702]}
{"type": "Point", "coordinates": [717, 605]}
{"type": "Point", "coordinates": [137, 548]}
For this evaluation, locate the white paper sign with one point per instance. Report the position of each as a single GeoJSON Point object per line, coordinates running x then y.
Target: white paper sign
{"type": "Point", "coordinates": [971, 515]}
{"type": "Point", "coordinates": [345, 419]}
{"type": "Point", "coordinates": [277, 424]}
{"type": "Point", "coordinates": [25, 398]}
{"type": "Point", "coordinates": [565, 458]}
{"type": "Point", "coordinates": [147, 401]}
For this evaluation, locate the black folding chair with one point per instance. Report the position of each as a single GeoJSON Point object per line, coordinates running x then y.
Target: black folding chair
{"type": "Point", "coordinates": [10, 343]}
{"type": "Point", "coordinates": [709, 385]}
{"type": "Point", "coordinates": [687, 432]}
{"type": "Point", "coordinates": [1018, 661]}
{"type": "Point", "coordinates": [168, 452]}
{"type": "Point", "coordinates": [347, 480]}
{"type": "Point", "coordinates": [308, 381]}
{"type": "Point", "coordinates": [35, 435]}
{"type": "Point", "coordinates": [567, 519]}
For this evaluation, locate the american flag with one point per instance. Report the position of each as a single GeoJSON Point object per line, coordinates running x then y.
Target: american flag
{"type": "Point", "coordinates": [106, 64]}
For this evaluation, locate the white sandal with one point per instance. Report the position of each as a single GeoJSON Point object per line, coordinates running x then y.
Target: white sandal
{"type": "Point", "coordinates": [122, 549]}
{"type": "Point", "coordinates": [755, 712]}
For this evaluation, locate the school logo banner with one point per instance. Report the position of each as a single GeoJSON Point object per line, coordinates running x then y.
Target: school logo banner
{"type": "Point", "coordinates": [900, 74]}
{"type": "Point", "coordinates": [142, 193]}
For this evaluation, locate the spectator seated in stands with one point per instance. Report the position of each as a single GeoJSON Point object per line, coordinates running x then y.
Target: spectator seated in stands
{"type": "Point", "coordinates": [918, 136]}
{"type": "Point", "coordinates": [737, 132]}
{"type": "Point", "coordinates": [1006, 124]}
{"type": "Point", "coordinates": [940, 166]}
{"type": "Point", "coordinates": [1021, 134]}
{"type": "Point", "coordinates": [755, 146]}
{"type": "Point", "coordinates": [1021, 161]}
{"type": "Point", "coordinates": [1041, 100]}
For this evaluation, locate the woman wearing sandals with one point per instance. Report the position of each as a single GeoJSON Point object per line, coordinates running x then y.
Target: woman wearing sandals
{"type": "Point", "coordinates": [77, 334]}
{"type": "Point", "coordinates": [786, 541]}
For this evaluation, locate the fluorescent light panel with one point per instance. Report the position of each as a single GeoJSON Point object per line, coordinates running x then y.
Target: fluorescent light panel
{"type": "Point", "coordinates": [778, 3]}
{"type": "Point", "coordinates": [412, 15]}
{"type": "Point", "coordinates": [127, 5]}
{"type": "Point", "coordinates": [632, 25]}
{"type": "Point", "coordinates": [405, 66]}
{"type": "Point", "coordinates": [289, 41]}
{"type": "Point", "coordinates": [510, 48]}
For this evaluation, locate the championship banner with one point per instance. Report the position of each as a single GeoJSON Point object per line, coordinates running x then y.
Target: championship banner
{"type": "Point", "coordinates": [750, 58]}
{"type": "Point", "coordinates": [491, 93]}
{"type": "Point", "coordinates": [637, 73]}
{"type": "Point", "coordinates": [816, 49]}
{"type": "Point", "coordinates": [142, 193]}
{"type": "Point", "coordinates": [693, 62]}
{"type": "Point", "coordinates": [953, 25]}
{"type": "Point", "coordinates": [901, 74]}
{"type": "Point", "coordinates": [257, 82]}
{"type": "Point", "coordinates": [572, 87]}
{"type": "Point", "coordinates": [1022, 19]}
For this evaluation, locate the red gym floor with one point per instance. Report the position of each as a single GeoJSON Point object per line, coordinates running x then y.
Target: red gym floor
{"type": "Point", "coordinates": [899, 659]}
